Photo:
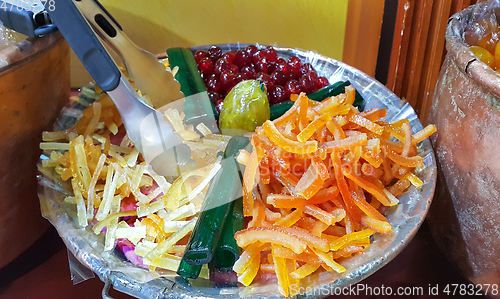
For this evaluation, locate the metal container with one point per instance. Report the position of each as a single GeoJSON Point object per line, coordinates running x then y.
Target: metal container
{"type": "Point", "coordinates": [465, 215]}
{"type": "Point", "coordinates": [34, 85]}
{"type": "Point", "coordinates": [405, 219]}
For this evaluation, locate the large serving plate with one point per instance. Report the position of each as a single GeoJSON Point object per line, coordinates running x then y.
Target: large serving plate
{"type": "Point", "coordinates": [405, 218]}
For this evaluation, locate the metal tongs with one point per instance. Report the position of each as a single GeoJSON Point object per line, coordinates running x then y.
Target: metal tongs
{"type": "Point", "coordinates": [161, 147]}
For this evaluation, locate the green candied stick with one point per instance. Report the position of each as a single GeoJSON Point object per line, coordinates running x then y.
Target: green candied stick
{"type": "Point", "coordinates": [278, 110]}
{"type": "Point", "coordinates": [336, 89]}
{"type": "Point", "coordinates": [198, 107]}
{"type": "Point", "coordinates": [223, 190]}
{"type": "Point", "coordinates": [188, 271]}
{"type": "Point", "coordinates": [227, 251]}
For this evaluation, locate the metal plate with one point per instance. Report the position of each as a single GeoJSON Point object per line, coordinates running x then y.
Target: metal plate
{"type": "Point", "coordinates": [406, 218]}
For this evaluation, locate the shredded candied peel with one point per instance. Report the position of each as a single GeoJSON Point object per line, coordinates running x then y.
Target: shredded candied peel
{"type": "Point", "coordinates": [316, 186]}
{"type": "Point", "coordinates": [115, 193]}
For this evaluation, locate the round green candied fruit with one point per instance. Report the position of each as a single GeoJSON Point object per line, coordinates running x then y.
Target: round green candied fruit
{"type": "Point", "coordinates": [245, 108]}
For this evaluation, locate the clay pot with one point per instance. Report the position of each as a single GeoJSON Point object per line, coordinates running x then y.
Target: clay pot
{"type": "Point", "coordinates": [34, 86]}
{"type": "Point", "coordinates": [465, 215]}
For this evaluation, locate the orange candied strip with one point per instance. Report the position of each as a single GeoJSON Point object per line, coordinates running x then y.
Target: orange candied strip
{"type": "Point", "coordinates": [309, 184]}
{"type": "Point", "coordinates": [269, 235]}
{"type": "Point", "coordinates": [382, 227]}
{"type": "Point", "coordinates": [393, 130]}
{"type": "Point", "coordinates": [344, 144]}
{"type": "Point", "coordinates": [426, 132]}
{"type": "Point", "coordinates": [413, 162]}
{"type": "Point", "coordinates": [288, 116]}
{"type": "Point", "coordinates": [286, 201]}
{"type": "Point", "coordinates": [246, 257]}
{"type": "Point", "coordinates": [366, 207]}
{"type": "Point", "coordinates": [370, 188]}
{"type": "Point", "coordinates": [323, 216]}
{"type": "Point", "coordinates": [320, 167]}
{"type": "Point", "coordinates": [313, 127]}
{"type": "Point", "coordinates": [288, 179]}
{"type": "Point", "coordinates": [334, 128]}
{"type": "Point", "coordinates": [290, 219]}
{"type": "Point", "coordinates": [366, 123]}
{"type": "Point", "coordinates": [248, 184]}
{"type": "Point", "coordinates": [344, 189]}
{"type": "Point", "coordinates": [348, 238]}
{"type": "Point", "coordinates": [374, 114]}
{"type": "Point", "coordinates": [281, 273]}
{"type": "Point", "coordinates": [288, 145]}
{"type": "Point", "coordinates": [305, 256]}
{"type": "Point", "coordinates": [400, 186]}
{"type": "Point", "coordinates": [293, 238]}
{"type": "Point", "coordinates": [350, 94]}
{"type": "Point", "coordinates": [303, 110]}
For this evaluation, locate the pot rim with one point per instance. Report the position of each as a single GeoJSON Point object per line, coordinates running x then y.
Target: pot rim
{"type": "Point", "coordinates": [27, 50]}
{"type": "Point", "coordinates": [467, 62]}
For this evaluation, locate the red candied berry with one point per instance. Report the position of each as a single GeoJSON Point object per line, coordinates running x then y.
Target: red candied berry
{"type": "Point", "coordinates": [214, 96]}
{"type": "Point", "coordinates": [258, 56]}
{"type": "Point", "coordinates": [229, 57]}
{"type": "Point", "coordinates": [218, 105]}
{"type": "Point", "coordinates": [227, 80]}
{"type": "Point", "coordinates": [199, 55]}
{"type": "Point", "coordinates": [220, 66]}
{"type": "Point", "coordinates": [213, 84]}
{"type": "Point", "coordinates": [234, 68]}
{"type": "Point", "coordinates": [292, 87]}
{"type": "Point", "coordinates": [214, 53]}
{"type": "Point", "coordinates": [271, 54]}
{"type": "Point", "coordinates": [279, 78]}
{"type": "Point", "coordinates": [206, 66]}
{"type": "Point", "coordinates": [268, 81]}
{"type": "Point", "coordinates": [278, 95]}
{"type": "Point", "coordinates": [251, 49]}
{"type": "Point", "coordinates": [249, 72]}
{"type": "Point", "coordinates": [294, 63]}
{"type": "Point", "coordinates": [238, 78]}
{"type": "Point", "coordinates": [263, 65]}
{"type": "Point", "coordinates": [242, 58]}
{"type": "Point", "coordinates": [322, 82]}
{"type": "Point", "coordinates": [313, 76]}
{"type": "Point", "coordinates": [205, 77]}
{"type": "Point", "coordinates": [294, 75]}
{"type": "Point", "coordinates": [306, 84]}
{"type": "Point", "coordinates": [281, 65]}
{"type": "Point", "coordinates": [272, 67]}
{"type": "Point", "coordinates": [306, 68]}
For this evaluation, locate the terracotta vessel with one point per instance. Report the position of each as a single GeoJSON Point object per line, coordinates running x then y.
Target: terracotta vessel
{"type": "Point", "coordinates": [34, 85]}
{"type": "Point", "coordinates": [465, 214]}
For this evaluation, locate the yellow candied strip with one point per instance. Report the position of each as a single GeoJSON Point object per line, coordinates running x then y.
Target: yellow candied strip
{"type": "Point", "coordinates": [281, 273]}
{"type": "Point", "coordinates": [290, 219]}
{"type": "Point", "coordinates": [348, 238]}
{"type": "Point", "coordinates": [304, 271]}
{"type": "Point", "coordinates": [286, 144]}
{"type": "Point", "coordinates": [313, 127]}
{"type": "Point", "coordinates": [250, 271]}
{"type": "Point", "coordinates": [414, 180]}
{"type": "Point", "coordinates": [327, 258]}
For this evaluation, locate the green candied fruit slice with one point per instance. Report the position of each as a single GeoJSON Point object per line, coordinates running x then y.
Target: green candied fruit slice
{"type": "Point", "coordinates": [245, 108]}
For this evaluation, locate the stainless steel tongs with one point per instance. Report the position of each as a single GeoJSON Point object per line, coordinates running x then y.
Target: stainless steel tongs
{"type": "Point", "coordinates": [161, 147]}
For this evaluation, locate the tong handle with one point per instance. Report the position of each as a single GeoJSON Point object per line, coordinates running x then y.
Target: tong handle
{"type": "Point", "coordinates": [19, 20]}
{"type": "Point", "coordinates": [85, 43]}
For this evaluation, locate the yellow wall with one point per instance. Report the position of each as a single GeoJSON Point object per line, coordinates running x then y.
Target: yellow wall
{"type": "Point", "coordinates": [155, 25]}
{"type": "Point", "coordinates": [340, 29]}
